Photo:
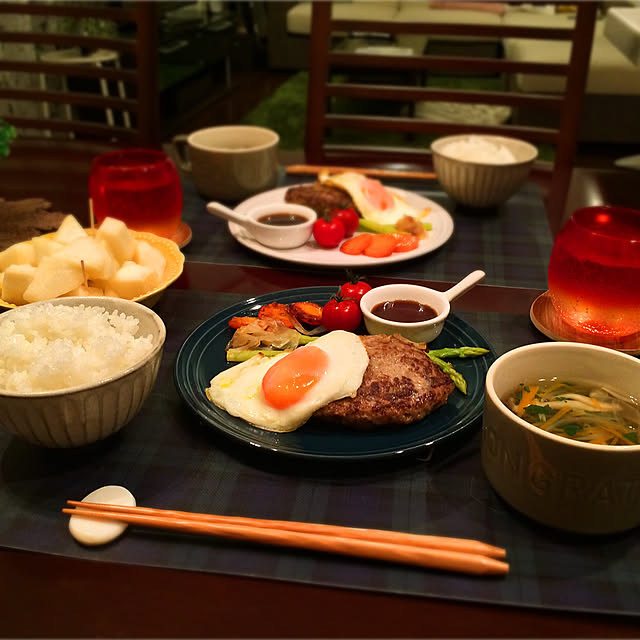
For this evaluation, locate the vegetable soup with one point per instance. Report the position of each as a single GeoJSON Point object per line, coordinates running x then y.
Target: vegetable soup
{"type": "Point", "coordinates": [579, 410]}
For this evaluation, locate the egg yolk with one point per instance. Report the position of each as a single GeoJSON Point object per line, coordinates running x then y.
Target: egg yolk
{"type": "Point", "coordinates": [290, 379]}
{"type": "Point", "coordinates": [376, 194]}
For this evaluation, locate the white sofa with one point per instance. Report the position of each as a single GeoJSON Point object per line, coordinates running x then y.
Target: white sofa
{"type": "Point", "coordinates": [612, 101]}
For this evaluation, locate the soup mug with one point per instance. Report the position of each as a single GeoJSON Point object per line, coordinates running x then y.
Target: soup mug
{"type": "Point", "coordinates": [557, 481]}
{"type": "Point", "coordinates": [231, 162]}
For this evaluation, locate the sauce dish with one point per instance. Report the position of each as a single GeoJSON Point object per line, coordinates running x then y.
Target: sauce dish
{"type": "Point", "coordinates": [438, 301]}
{"type": "Point", "coordinates": [265, 223]}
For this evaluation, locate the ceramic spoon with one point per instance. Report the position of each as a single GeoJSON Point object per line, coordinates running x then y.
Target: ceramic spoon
{"type": "Point", "coordinates": [218, 209]}
{"type": "Point", "coordinates": [468, 282]}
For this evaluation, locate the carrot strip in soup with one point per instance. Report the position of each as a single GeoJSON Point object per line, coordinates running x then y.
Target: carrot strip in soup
{"type": "Point", "coordinates": [528, 394]}
{"type": "Point", "coordinates": [556, 417]}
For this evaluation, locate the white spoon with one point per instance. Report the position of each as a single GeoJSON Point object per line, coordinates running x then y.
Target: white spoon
{"type": "Point", "coordinates": [218, 209]}
{"type": "Point", "coordinates": [468, 282]}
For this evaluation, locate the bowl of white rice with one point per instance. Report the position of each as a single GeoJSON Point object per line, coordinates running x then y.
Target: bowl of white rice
{"type": "Point", "coordinates": [76, 370]}
{"type": "Point", "coordinates": [482, 170]}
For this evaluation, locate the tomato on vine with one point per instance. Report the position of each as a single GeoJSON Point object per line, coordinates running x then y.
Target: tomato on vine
{"type": "Point", "coordinates": [341, 313]}
{"type": "Point", "coordinates": [354, 289]}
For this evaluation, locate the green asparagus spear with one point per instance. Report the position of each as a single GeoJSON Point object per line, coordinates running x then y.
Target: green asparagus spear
{"type": "Point", "coordinates": [460, 352]}
{"type": "Point", "coordinates": [457, 377]}
{"type": "Point", "coordinates": [240, 355]}
{"type": "Point", "coordinates": [378, 227]}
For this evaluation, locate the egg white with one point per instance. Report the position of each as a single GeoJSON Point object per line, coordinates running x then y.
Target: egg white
{"type": "Point", "coordinates": [238, 390]}
{"type": "Point", "coordinates": [351, 182]}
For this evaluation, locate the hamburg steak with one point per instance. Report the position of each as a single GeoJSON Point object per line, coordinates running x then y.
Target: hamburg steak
{"type": "Point", "coordinates": [400, 385]}
{"type": "Point", "coordinates": [322, 198]}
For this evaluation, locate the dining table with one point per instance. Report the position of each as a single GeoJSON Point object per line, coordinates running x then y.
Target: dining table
{"type": "Point", "coordinates": [152, 583]}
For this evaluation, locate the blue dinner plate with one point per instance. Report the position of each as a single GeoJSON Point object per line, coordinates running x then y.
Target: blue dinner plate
{"type": "Point", "coordinates": [202, 356]}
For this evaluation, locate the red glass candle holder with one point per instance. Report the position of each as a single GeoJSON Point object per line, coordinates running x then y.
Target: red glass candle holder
{"type": "Point", "coordinates": [141, 187]}
{"type": "Point", "coordinates": [594, 271]}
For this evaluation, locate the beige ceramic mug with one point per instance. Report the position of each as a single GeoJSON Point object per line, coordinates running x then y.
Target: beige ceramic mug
{"type": "Point", "coordinates": [229, 163]}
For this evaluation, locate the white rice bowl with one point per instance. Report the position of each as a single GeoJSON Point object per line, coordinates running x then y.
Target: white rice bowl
{"type": "Point", "coordinates": [478, 149]}
{"type": "Point", "coordinates": [75, 370]}
{"type": "Point", "coordinates": [481, 170]}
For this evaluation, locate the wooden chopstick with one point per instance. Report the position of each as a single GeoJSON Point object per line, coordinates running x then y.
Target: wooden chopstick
{"type": "Point", "coordinates": [375, 535]}
{"type": "Point", "coordinates": [306, 169]}
{"type": "Point", "coordinates": [370, 543]}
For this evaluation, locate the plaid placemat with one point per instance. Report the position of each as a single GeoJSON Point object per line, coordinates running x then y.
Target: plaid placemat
{"type": "Point", "coordinates": [512, 243]}
{"type": "Point", "coordinates": [169, 460]}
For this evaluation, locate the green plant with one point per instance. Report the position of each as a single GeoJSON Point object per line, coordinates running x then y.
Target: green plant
{"type": "Point", "coordinates": [7, 134]}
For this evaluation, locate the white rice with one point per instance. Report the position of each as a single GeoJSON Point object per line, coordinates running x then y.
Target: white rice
{"type": "Point", "coordinates": [52, 347]}
{"type": "Point", "coordinates": [478, 149]}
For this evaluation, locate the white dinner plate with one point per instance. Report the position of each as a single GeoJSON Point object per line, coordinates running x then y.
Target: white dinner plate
{"type": "Point", "coordinates": [313, 254]}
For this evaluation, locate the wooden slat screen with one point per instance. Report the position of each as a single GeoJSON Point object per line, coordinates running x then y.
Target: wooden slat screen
{"type": "Point", "coordinates": [337, 74]}
{"type": "Point", "coordinates": [63, 98]}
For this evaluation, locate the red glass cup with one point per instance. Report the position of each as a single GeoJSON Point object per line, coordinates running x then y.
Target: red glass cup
{"type": "Point", "coordinates": [141, 187]}
{"type": "Point", "coordinates": [594, 271]}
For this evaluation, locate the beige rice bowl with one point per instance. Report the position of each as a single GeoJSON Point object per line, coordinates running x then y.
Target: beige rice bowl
{"type": "Point", "coordinates": [74, 370]}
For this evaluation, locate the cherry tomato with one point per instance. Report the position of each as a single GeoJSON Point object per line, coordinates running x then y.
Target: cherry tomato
{"type": "Point", "coordinates": [354, 290]}
{"type": "Point", "coordinates": [349, 218]}
{"type": "Point", "coordinates": [341, 314]}
{"type": "Point", "coordinates": [328, 234]}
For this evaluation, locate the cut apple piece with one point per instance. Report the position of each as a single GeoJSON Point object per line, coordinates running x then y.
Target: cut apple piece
{"type": "Point", "coordinates": [19, 253]}
{"type": "Point", "coordinates": [99, 264]}
{"type": "Point", "coordinates": [118, 239]}
{"type": "Point", "coordinates": [43, 246]}
{"type": "Point", "coordinates": [149, 256]}
{"type": "Point", "coordinates": [54, 276]}
{"type": "Point", "coordinates": [132, 280]}
{"type": "Point", "coordinates": [85, 290]}
{"type": "Point", "coordinates": [69, 230]}
{"type": "Point", "coordinates": [15, 281]}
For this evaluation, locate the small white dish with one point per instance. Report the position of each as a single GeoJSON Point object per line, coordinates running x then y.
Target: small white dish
{"type": "Point", "coordinates": [275, 236]}
{"type": "Point", "coordinates": [439, 301]}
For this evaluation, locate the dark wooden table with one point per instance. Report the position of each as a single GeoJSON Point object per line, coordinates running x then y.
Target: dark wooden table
{"type": "Point", "coordinates": [56, 594]}
{"type": "Point", "coordinates": [49, 595]}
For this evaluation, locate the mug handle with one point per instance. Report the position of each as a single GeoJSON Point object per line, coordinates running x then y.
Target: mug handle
{"type": "Point", "coordinates": [179, 143]}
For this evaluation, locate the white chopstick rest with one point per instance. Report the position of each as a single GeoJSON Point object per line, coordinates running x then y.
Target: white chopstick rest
{"type": "Point", "coordinates": [93, 531]}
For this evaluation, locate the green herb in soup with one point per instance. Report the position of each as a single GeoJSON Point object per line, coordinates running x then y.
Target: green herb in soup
{"type": "Point", "coordinates": [578, 410]}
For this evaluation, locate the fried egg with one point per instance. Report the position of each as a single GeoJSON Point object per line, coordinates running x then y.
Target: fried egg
{"type": "Point", "coordinates": [372, 199]}
{"type": "Point", "coordinates": [280, 393]}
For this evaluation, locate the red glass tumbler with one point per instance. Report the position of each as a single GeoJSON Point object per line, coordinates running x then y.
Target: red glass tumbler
{"type": "Point", "coordinates": [594, 271]}
{"type": "Point", "coordinates": [141, 187]}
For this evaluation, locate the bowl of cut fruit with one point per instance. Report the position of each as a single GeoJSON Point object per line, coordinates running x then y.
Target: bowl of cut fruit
{"type": "Point", "coordinates": [110, 260]}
